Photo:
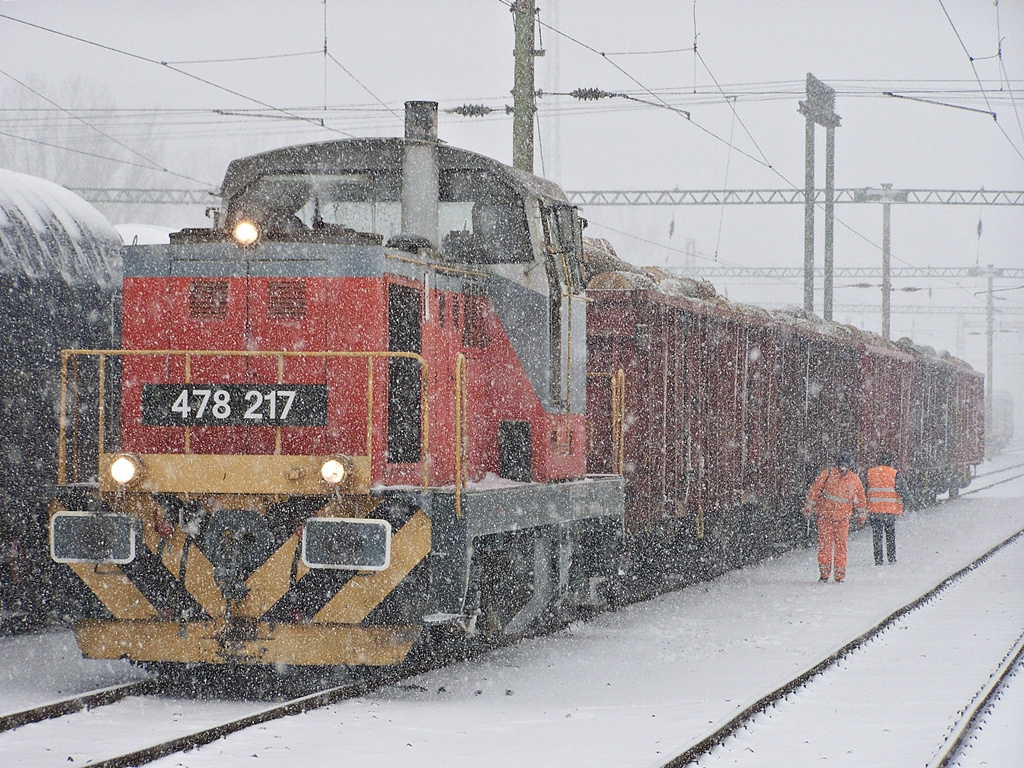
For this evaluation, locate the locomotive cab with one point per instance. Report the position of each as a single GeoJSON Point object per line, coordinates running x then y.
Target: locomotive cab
{"type": "Point", "coordinates": [350, 410]}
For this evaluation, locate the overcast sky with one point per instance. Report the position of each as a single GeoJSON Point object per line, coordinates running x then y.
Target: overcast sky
{"type": "Point", "coordinates": [741, 88]}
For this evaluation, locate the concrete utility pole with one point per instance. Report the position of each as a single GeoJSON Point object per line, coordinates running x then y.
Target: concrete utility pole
{"type": "Point", "coordinates": [819, 109]}
{"type": "Point", "coordinates": [808, 213]}
{"type": "Point", "coordinates": [988, 272]}
{"type": "Point", "coordinates": [830, 215]}
{"type": "Point", "coordinates": [886, 265]}
{"type": "Point", "coordinates": [523, 94]}
{"type": "Point", "coordinates": [886, 196]}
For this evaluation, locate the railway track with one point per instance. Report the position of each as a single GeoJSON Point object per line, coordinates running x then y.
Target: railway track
{"type": "Point", "coordinates": [83, 701]}
{"type": "Point", "coordinates": [198, 738]}
{"type": "Point", "coordinates": [750, 719]}
{"type": "Point", "coordinates": [1000, 470]}
{"type": "Point", "coordinates": [997, 482]}
{"type": "Point", "coordinates": [71, 721]}
{"type": "Point", "coordinates": [974, 712]}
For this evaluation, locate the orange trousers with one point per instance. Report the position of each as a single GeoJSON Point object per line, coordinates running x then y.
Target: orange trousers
{"type": "Point", "coordinates": [832, 535]}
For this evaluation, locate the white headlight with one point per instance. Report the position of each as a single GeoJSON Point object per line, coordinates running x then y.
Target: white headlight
{"type": "Point", "coordinates": [123, 470]}
{"type": "Point", "coordinates": [332, 471]}
{"type": "Point", "coordinates": [246, 233]}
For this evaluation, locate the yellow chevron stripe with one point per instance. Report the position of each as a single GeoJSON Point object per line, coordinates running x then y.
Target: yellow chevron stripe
{"type": "Point", "coordinates": [111, 587]}
{"type": "Point", "coordinates": [147, 510]}
{"type": "Point", "coordinates": [199, 579]}
{"type": "Point", "coordinates": [362, 594]}
{"type": "Point", "coordinates": [269, 583]}
{"type": "Point", "coordinates": [200, 583]}
{"type": "Point", "coordinates": [174, 549]}
{"type": "Point", "coordinates": [115, 590]}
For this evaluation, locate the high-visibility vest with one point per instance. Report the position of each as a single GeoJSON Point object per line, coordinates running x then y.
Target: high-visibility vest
{"type": "Point", "coordinates": [882, 495]}
{"type": "Point", "coordinates": [835, 494]}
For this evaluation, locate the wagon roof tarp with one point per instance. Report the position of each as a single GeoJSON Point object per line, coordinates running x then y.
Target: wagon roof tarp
{"type": "Point", "coordinates": [47, 231]}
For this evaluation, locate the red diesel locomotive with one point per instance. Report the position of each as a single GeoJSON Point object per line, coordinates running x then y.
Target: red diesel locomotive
{"type": "Point", "coordinates": [393, 393]}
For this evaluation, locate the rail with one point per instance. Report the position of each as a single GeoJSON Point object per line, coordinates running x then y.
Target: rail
{"type": "Point", "coordinates": [720, 732]}
{"type": "Point", "coordinates": [102, 355]}
{"type": "Point", "coordinates": [972, 714]}
{"type": "Point", "coordinates": [98, 698]}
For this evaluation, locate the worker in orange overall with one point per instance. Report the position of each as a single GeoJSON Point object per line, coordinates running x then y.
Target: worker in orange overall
{"type": "Point", "coordinates": [833, 497]}
{"type": "Point", "coordinates": [886, 492]}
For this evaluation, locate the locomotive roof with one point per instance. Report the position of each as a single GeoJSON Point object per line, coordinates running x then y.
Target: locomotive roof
{"type": "Point", "coordinates": [48, 231]}
{"type": "Point", "coordinates": [366, 154]}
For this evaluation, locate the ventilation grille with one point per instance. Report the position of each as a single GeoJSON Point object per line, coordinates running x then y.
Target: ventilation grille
{"type": "Point", "coordinates": [286, 299]}
{"type": "Point", "coordinates": [208, 299]}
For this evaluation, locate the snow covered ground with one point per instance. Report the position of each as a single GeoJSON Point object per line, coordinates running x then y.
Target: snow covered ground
{"type": "Point", "coordinates": [891, 702]}
{"type": "Point", "coordinates": [630, 688]}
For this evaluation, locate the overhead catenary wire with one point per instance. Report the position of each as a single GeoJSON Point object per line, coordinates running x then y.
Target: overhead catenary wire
{"type": "Point", "coordinates": [977, 77]}
{"type": "Point", "coordinates": [227, 125]}
{"type": "Point", "coordinates": [91, 154]}
{"type": "Point", "coordinates": [725, 185]}
{"type": "Point", "coordinates": [364, 87]}
{"type": "Point", "coordinates": [597, 93]}
{"type": "Point", "coordinates": [153, 165]}
{"type": "Point", "coordinates": [166, 65]}
{"type": "Point", "coordinates": [1004, 75]}
{"type": "Point", "coordinates": [239, 59]}
{"type": "Point", "coordinates": [585, 94]}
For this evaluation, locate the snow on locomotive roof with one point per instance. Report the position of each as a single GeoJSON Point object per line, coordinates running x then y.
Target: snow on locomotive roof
{"type": "Point", "coordinates": [371, 154]}
{"type": "Point", "coordinates": [48, 231]}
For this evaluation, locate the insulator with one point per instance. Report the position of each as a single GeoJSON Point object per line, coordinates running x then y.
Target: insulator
{"type": "Point", "coordinates": [470, 110]}
{"type": "Point", "coordinates": [590, 94]}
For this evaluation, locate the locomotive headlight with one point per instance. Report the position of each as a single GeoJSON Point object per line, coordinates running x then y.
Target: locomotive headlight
{"type": "Point", "coordinates": [123, 469]}
{"type": "Point", "coordinates": [333, 472]}
{"type": "Point", "coordinates": [246, 232]}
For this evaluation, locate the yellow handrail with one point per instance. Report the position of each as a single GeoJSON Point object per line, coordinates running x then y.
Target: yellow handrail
{"type": "Point", "coordinates": [62, 458]}
{"type": "Point", "coordinates": [460, 429]}
{"type": "Point", "coordinates": [102, 354]}
{"type": "Point", "coordinates": [619, 419]}
{"type": "Point", "coordinates": [617, 380]}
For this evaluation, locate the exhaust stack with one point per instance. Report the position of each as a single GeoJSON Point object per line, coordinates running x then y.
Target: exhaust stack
{"type": "Point", "coordinates": [420, 188]}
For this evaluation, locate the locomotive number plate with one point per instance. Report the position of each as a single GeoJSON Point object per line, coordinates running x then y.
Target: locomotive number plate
{"type": "Point", "coordinates": [251, 405]}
